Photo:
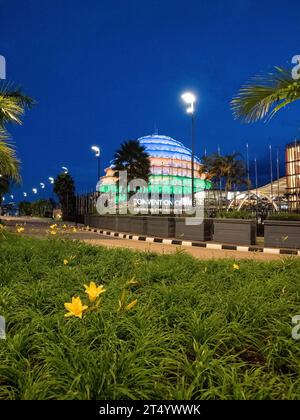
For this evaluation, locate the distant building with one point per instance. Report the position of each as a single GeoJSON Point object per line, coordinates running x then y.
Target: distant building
{"type": "Point", "coordinates": [292, 161]}
{"type": "Point", "coordinates": [170, 164]}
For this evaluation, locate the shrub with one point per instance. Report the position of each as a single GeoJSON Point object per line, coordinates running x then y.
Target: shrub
{"type": "Point", "coordinates": [235, 214]}
{"type": "Point", "coordinates": [293, 217]}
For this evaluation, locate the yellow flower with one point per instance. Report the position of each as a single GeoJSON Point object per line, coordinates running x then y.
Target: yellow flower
{"type": "Point", "coordinates": [74, 230]}
{"type": "Point", "coordinates": [53, 226]}
{"type": "Point", "coordinates": [236, 267]}
{"type": "Point", "coordinates": [75, 307]}
{"type": "Point", "coordinates": [64, 226]}
{"type": "Point", "coordinates": [66, 262]}
{"type": "Point", "coordinates": [20, 229]}
{"type": "Point", "coordinates": [93, 291]}
{"type": "Point", "coordinates": [53, 232]}
{"type": "Point", "coordinates": [131, 305]}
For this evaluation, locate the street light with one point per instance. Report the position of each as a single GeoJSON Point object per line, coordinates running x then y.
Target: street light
{"type": "Point", "coordinates": [190, 99]}
{"type": "Point", "coordinates": [65, 169]}
{"type": "Point", "coordinates": [25, 194]}
{"type": "Point", "coordinates": [42, 185]}
{"type": "Point", "coordinates": [34, 190]}
{"type": "Point", "coordinates": [97, 151]}
{"type": "Point", "coordinates": [51, 180]}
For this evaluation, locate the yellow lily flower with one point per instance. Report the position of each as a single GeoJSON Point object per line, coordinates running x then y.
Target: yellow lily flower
{"type": "Point", "coordinates": [53, 232]}
{"type": "Point", "coordinates": [131, 305]}
{"type": "Point", "coordinates": [20, 229]}
{"type": "Point", "coordinates": [64, 226]}
{"type": "Point", "coordinates": [236, 267]}
{"type": "Point", "coordinates": [75, 307]}
{"type": "Point", "coordinates": [93, 291]}
{"type": "Point", "coordinates": [74, 230]}
{"type": "Point", "coordinates": [66, 262]}
{"type": "Point", "coordinates": [53, 226]}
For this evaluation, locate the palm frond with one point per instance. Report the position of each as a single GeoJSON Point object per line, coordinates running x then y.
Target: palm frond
{"type": "Point", "coordinates": [264, 96]}
{"type": "Point", "coordinates": [9, 163]}
{"type": "Point", "coordinates": [13, 104]}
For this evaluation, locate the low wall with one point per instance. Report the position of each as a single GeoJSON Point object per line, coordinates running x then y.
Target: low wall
{"type": "Point", "coordinates": [195, 232]}
{"type": "Point", "coordinates": [235, 231]}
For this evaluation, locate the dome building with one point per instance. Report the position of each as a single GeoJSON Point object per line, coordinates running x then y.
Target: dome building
{"type": "Point", "coordinates": [170, 163]}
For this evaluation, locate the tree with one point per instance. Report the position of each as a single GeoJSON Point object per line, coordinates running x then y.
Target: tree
{"type": "Point", "coordinates": [233, 170]}
{"type": "Point", "coordinates": [264, 96]}
{"type": "Point", "coordinates": [12, 107]}
{"type": "Point", "coordinates": [133, 158]}
{"type": "Point", "coordinates": [12, 104]}
{"type": "Point", "coordinates": [64, 188]}
{"type": "Point", "coordinates": [228, 168]}
{"type": "Point", "coordinates": [9, 164]}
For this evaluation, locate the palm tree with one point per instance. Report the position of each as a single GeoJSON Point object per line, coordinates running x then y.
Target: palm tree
{"type": "Point", "coordinates": [12, 104]}
{"type": "Point", "coordinates": [133, 158]}
{"type": "Point", "coordinates": [9, 163]}
{"type": "Point", "coordinates": [233, 170]}
{"type": "Point", "coordinates": [227, 167]}
{"type": "Point", "coordinates": [64, 188]}
{"type": "Point", "coordinates": [264, 96]}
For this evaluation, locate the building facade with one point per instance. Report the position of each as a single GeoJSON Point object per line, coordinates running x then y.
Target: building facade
{"type": "Point", "coordinates": [170, 174]}
{"type": "Point", "coordinates": [292, 160]}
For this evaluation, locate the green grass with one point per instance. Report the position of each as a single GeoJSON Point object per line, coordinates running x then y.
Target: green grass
{"type": "Point", "coordinates": [200, 329]}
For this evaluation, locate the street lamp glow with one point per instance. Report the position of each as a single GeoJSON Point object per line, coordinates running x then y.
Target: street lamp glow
{"type": "Point", "coordinates": [65, 169]}
{"type": "Point", "coordinates": [12, 197]}
{"type": "Point", "coordinates": [34, 190]}
{"type": "Point", "coordinates": [42, 185]}
{"type": "Point", "coordinates": [25, 194]}
{"type": "Point", "coordinates": [51, 180]}
{"type": "Point", "coordinates": [190, 99]}
{"type": "Point", "coordinates": [96, 149]}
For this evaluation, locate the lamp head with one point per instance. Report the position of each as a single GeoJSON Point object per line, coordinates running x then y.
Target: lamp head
{"type": "Point", "coordinates": [96, 149]}
{"type": "Point", "coordinates": [190, 99]}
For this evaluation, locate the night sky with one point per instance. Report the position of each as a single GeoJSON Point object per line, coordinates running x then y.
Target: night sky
{"type": "Point", "coordinates": [103, 71]}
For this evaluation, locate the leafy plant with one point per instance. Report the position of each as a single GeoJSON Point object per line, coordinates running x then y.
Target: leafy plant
{"type": "Point", "coordinates": [202, 329]}
{"type": "Point", "coordinates": [284, 216]}
{"type": "Point", "coordinates": [264, 96]}
{"type": "Point", "coordinates": [235, 214]}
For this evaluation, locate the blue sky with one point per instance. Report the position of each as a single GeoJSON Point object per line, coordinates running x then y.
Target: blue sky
{"type": "Point", "coordinates": [106, 71]}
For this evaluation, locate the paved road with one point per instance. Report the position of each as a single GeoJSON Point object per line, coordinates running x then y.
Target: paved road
{"type": "Point", "coordinates": [38, 227]}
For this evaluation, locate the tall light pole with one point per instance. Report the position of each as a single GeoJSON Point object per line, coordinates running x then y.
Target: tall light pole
{"type": "Point", "coordinates": [190, 99]}
{"type": "Point", "coordinates": [97, 151]}
{"type": "Point", "coordinates": [66, 170]}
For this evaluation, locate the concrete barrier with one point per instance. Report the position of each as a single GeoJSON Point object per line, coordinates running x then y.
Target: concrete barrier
{"type": "Point", "coordinates": [282, 234]}
{"type": "Point", "coordinates": [234, 231]}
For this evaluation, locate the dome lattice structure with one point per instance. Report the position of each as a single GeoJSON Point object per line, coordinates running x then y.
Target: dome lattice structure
{"type": "Point", "coordinates": [170, 163]}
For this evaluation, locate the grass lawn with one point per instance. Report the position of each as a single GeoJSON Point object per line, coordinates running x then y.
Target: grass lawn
{"type": "Point", "coordinates": [200, 329]}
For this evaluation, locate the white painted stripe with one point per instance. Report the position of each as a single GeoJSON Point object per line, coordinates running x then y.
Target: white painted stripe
{"type": "Point", "coordinates": [214, 246]}
{"type": "Point", "coordinates": [242, 248]}
{"type": "Point", "coordinates": [149, 239]}
{"type": "Point", "coordinates": [135, 238]}
{"type": "Point", "coordinates": [271, 251]}
{"type": "Point", "coordinates": [186, 243]}
{"type": "Point", "coordinates": [167, 241]}
{"type": "Point", "coordinates": [299, 253]}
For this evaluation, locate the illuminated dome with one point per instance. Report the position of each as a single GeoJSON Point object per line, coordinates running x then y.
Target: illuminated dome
{"type": "Point", "coordinates": [170, 163]}
{"type": "Point", "coordinates": [158, 146]}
